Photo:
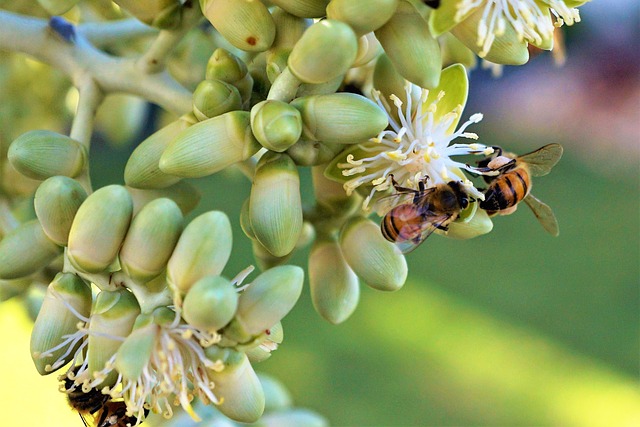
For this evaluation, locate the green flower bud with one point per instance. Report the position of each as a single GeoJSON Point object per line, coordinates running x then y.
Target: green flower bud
{"type": "Point", "coordinates": [164, 14]}
{"type": "Point", "coordinates": [362, 15]}
{"type": "Point", "coordinates": [202, 250]}
{"type": "Point", "coordinates": [210, 146]}
{"type": "Point", "coordinates": [343, 118]}
{"type": "Point", "coordinates": [142, 169]}
{"type": "Point", "coordinates": [292, 418]}
{"type": "Point", "coordinates": [276, 124]}
{"type": "Point", "coordinates": [135, 351]}
{"type": "Point", "coordinates": [334, 286]}
{"type": "Point", "coordinates": [246, 24]}
{"type": "Point", "coordinates": [479, 224]}
{"type": "Point", "coordinates": [308, 89]}
{"type": "Point", "coordinates": [210, 303]}
{"type": "Point", "coordinates": [276, 62]}
{"type": "Point", "coordinates": [310, 153]}
{"type": "Point", "coordinates": [12, 288]}
{"type": "Point", "coordinates": [378, 262]}
{"type": "Point", "coordinates": [112, 317]}
{"type": "Point", "coordinates": [14, 183]}
{"type": "Point", "coordinates": [277, 397]}
{"type": "Point", "coordinates": [326, 50]}
{"type": "Point", "coordinates": [151, 239]}
{"type": "Point", "coordinates": [269, 298]}
{"type": "Point", "coordinates": [239, 389]}
{"type": "Point", "coordinates": [266, 259]}
{"type": "Point", "coordinates": [411, 47]}
{"type": "Point", "coordinates": [215, 97]}
{"type": "Point", "coordinates": [245, 221]}
{"type": "Point", "coordinates": [303, 8]}
{"type": "Point", "coordinates": [184, 194]}
{"type": "Point", "coordinates": [40, 154]}
{"type": "Point", "coordinates": [455, 52]}
{"type": "Point", "coordinates": [331, 196]}
{"type": "Point", "coordinates": [269, 342]}
{"type": "Point", "coordinates": [224, 65]}
{"type": "Point", "coordinates": [99, 228]}
{"type": "Point", "coordinates": [57, 7]}
{"type": "Point", "coordinates": [56, 321]}
{"type": "Point", "coordinates": [34, 298]}
{"type": "Point", "coordinates": [275, 207]}
{"type": "Point", "coordinates": [289, 28]}
{"type": "Point", "coordinates": [368, 49]}
{"type": "Point", "coordinates": [26, 250]}
{"type": "Point", "coordinates": [56, 202]}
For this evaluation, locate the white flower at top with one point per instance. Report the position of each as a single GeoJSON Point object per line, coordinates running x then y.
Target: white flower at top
{"type": "Point", "coordinates": [421, 141]}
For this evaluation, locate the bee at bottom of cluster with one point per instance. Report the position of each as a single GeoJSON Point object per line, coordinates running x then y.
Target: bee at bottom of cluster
{"type": "Point", "coordinates": [97, 409]}
{"type": "Point", "coordinates": [415, 214]}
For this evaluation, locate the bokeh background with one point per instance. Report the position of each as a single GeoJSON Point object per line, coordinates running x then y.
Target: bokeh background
{"type": "Point", "coordinates": [514, 328]}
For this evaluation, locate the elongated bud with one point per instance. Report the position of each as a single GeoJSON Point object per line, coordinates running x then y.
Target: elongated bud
{"type": "Point", "coordinates": [183, 193]}
{"type": "Point", "coordinates": [308, 89]}
{"type": "Point", "coordinates": [99, 228]}
{"type": "Point", "coordinates": [362, 15]}
{"type": "Point", "coordinates": [142, 169]}
{"type": "Point", "coordinates": [276, 124]}
{"type": "Point", "coordinates": [411, 47]}
{"type": "Point", "coordinates": [57, 323]}
{"type": "Point", "coordinates": [164, 14]}
{"type": "Point", "coordinates": [378, 262]}
{"type": "Point", "coordinates": [57, 7]}
{"type": "Point", "coordinates": [269, 298]}
{"type": "Point", "coordinates": [26, 250]}
{"type": "Point", "coordinates": [56, 202]}
{"type": "Point", "coordinates": [334, 286]}
{"type": "Point", "coordinates": [293, 418]}
{"type": "Point", "coordinates": [134, 353]}
{"type": "Point", "coordinates": [275, 207]}
{"type": "Point", "coordinates": [210, 303]}
{"type": "Point", "coordinates": [303, 8]}
{"type": "Point", "coordinates": [343, 118]}
{"type": "Point", "coordinates": [151, 239]}
{"type": "Point", "coordinates": [306, 152]}
{"type": "Point", "coordinates": [289, 28]}
{"type": "Point", "coordinates": [238, 388]}
{"type": "Point", "coordinates": [246, 24]}
{"type": "Point", "coordinates": [245, 220]}
{"type": "Point", "coordinates": [202, 250]}
{"type": "Point", "coordinates": [478, 225]}
{"type": "Point", "coordinates": [277, 397]}
{"type": "Point", "coordinates": [224, 65]}
{"type": "Point", "coordinates": [326, 50]}
{"type": "Point", "coordinates": [214, 97]}
{"type": "Point", "coordinates": [40, 154]}
{"type": "Point", "coordinates": [210, 146]}
{"type": "Point", "coordinates": [112, 319]}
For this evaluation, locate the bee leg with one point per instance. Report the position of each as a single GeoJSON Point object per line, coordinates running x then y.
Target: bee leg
{"type": "Point", "coordinates": [399, 188]}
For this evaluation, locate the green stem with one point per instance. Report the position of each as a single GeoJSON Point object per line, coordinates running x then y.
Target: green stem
{"type": "Point", "coordinates": [284, 87]}
{"type": "Point", "coordinates": [108, 33]}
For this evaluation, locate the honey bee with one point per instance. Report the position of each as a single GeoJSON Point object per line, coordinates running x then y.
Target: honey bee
{"type": "Point", "coordinates": [415, 214]}
{"type": "Point", "coordinates": [97, 409]}
{"type": "Point", "coordinates": [513, 183]}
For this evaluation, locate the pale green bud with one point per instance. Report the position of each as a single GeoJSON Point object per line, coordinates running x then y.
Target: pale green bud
{"type": "Point", "coordinates": [334, 286]}
{"type": "Point", "coordinates": [210, 146]}
{"type": "Point", "coordinates": [477, 225]}
{"type": "Point", "coordinates": [277, 397]}
{"type": "Point", "coordinates": [57, 7]}
{"type": "Point", "coordinates": [308, 89]}
{"type": "Point", "coordinates": [303, 8]}
{"type": "Point", "coordinates": [306, 152]}
{"type": "Point", "coordinates": [343, 118]}
{"type": "Point", "coordinates": [326, 50]}
{"type": "Point", "coordinates": [276, 62]}
{"type": "Point", "coordinates": [245, 220]}
{"type": "Point", "coordinates": [331, 195]}
{"type": "Point", "coordinates": [275, 207]}
{"type": "Point", "coordinates": [135, 351]}
{"type": "Point", "coordinates": [269, 298]}
{"type": "Point", "coordinates": [34, 298]}
{"type": "Point", "coordinates": [215, 97]}
{"type": "Point", "coordinates": [368, 49]}
{"type": "Point", "coordinates": [202, 250]}
{"type": "Point", "coordinates": [56, 202]}
{"type": "Point", "coordinates": [362, 15]}
{"type": "Point", "coordinates": [224, 65]}
{"type": "Point", "coordinates": [12, 288]}
{"type": "Point", "coordinates": [266, 259]}
{"type": "Point", "coordinates": [455, 52]}
{"type": "Point", "coordinates": [157, 13]}
{"type": "Point", "coordinates": [246, 24]}
{"type": "Point", "coordinates": [142, 169]}
{"type": "Point", "coordinates": [40, 154]}
{"type": "Point", "coordinates": [183, 193]}
{"type": "Point", "coordinates": [26, 250]}
{"type": "Point", "coordinates": [239, 389]}
{"type": "Point", "coordinates": [55, 321]}
{"type": "Point", "coordinates": [411, 47]}
{"type": "Point", "coordinates": [245, 87]}
{"type": "Point", "coordinates": [263, 348]}
{"type": "Point", "coordinates": [210, 303]}
{"type": "Point", "coordinates": [14, 183]}
{"type": "Point", "coordinates": [112, 316]}
{"type": "Point", "coordinates": [99, 228]}
{"type": "Point", "coordinates": [292, 418]}
{"type": "Point", "coordinates": [276, 124]}
{"type": "Point", "coordinates": [151, 238]}
{"type": "Point", "coordinates": [378, 262]}
{"type": "Point", "coordinates": [289, 28]}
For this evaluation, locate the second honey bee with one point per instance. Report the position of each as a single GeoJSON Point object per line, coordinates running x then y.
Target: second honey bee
{"type": "Point", "coordinates": [415, 214]}
{"type": "Point", "coordinates": [513, 184]}
{"type": "Point", "coordinates": [95, 408]}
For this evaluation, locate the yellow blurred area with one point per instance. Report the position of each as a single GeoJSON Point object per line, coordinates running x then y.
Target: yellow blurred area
{"type": "Point", "coordinates": [26, 398]}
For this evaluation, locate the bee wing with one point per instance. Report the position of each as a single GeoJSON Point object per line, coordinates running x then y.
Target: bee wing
{"type": "Point", "coordinates": [385, 204]}
{"type": "Point", "coordinates": [544, 214]}
{"type": "Point", "coordinates": [541, 161]}
{"type": "Point", "coordinates": [432, 224]}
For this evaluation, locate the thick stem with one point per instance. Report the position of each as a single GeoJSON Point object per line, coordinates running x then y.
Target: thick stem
{"type": "Point", "coordinates": [107, 33]}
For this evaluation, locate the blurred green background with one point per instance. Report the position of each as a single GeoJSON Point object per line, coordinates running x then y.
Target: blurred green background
{"type": "Point", "coordinates": [514, 328]}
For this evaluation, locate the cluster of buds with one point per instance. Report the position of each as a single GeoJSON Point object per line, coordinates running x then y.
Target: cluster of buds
{"type": "Point", "coordinates": [366, 94]}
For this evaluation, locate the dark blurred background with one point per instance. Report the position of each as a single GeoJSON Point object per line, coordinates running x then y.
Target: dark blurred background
{"type": "Point", "coordinates": [514, 328]}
